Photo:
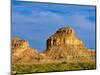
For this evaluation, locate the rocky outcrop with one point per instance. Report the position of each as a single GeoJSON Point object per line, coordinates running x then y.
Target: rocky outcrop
{"type": "Point", "coordinates": [64, 36]}
{"type": "Point", "coordinates": [22, 53]}
{"type": "Point", "coordinates": [63, 45]}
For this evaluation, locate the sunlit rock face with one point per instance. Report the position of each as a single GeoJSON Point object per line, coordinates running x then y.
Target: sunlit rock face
{"type": "Point", "coordinates": [64, 44]}
{"type": "Point", "coordinates": [22, 53]}
{"type": "Point", "coordinates": [18, 46]}
{"type": "Point", "coordinates": [64, 37]}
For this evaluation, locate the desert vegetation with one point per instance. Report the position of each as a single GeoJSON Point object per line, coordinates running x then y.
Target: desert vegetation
{"type": "Point", "coordinates": [51, 67]}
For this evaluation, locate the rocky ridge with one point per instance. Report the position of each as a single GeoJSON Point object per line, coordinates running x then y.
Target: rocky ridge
{"type": "Point", "coordinates": [22, 53]}
{"type": "Point", "coordinates": [63, 45]}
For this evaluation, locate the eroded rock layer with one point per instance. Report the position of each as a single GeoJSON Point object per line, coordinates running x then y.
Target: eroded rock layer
{"type": "Point", "coordinates": [63, 45]}
{"type": "Point", "coordinates": [22, 53]}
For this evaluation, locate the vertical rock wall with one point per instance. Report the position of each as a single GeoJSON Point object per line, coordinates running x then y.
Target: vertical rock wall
{"type": "Point", "coordinates": [64, 36]}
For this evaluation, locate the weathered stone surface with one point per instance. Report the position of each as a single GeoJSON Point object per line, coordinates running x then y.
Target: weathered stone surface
{"type": "Point", "coordinates": [63, 45]}
{"type": "Point", "coordinates": [22, 53]}
{"type": "Point", "coordinates": [64, 36]}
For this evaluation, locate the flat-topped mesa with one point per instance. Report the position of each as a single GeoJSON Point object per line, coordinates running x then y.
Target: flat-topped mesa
{"type": "Point", "coordinates": [20, 44]}
{"type": "Point", "coordinates": [65, 45]}
{"type": "Point", "coordinates": [22, 53]}
{"type": "Point", "coordinates": [64, 36]}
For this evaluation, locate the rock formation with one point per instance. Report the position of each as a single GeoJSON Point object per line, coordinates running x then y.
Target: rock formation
{"type": "Point", "coordinates": [63, 45]}
{"type": "Point", "coordinates": [22, 53]}
{"type": "Point", "coordinates": [64, 36]}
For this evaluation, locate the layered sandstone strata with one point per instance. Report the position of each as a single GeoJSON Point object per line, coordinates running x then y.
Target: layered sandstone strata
{"type": "Point", "coordinates": [22, 53]}
{"type": "Point", "coordinates": [65, 45]}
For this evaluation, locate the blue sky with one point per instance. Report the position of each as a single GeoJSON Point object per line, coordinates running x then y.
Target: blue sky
{"type": "Point", "coordinates": [36, 22]}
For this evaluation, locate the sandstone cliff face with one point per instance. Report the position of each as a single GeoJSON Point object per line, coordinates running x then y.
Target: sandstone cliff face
{"type": "Point", "coordinates": [64, 36]}
{"type": "Point", "coordinates": [63, 45]}
{"type": "Point", "coordinates": [22, 53]}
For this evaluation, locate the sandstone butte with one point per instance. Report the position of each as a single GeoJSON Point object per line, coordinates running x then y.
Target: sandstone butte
{"type": "Point", "coordinates": [62, 46]}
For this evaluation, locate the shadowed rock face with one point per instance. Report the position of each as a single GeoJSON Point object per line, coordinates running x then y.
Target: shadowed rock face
{"type": "Point", "coordinates": [63, 45]}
